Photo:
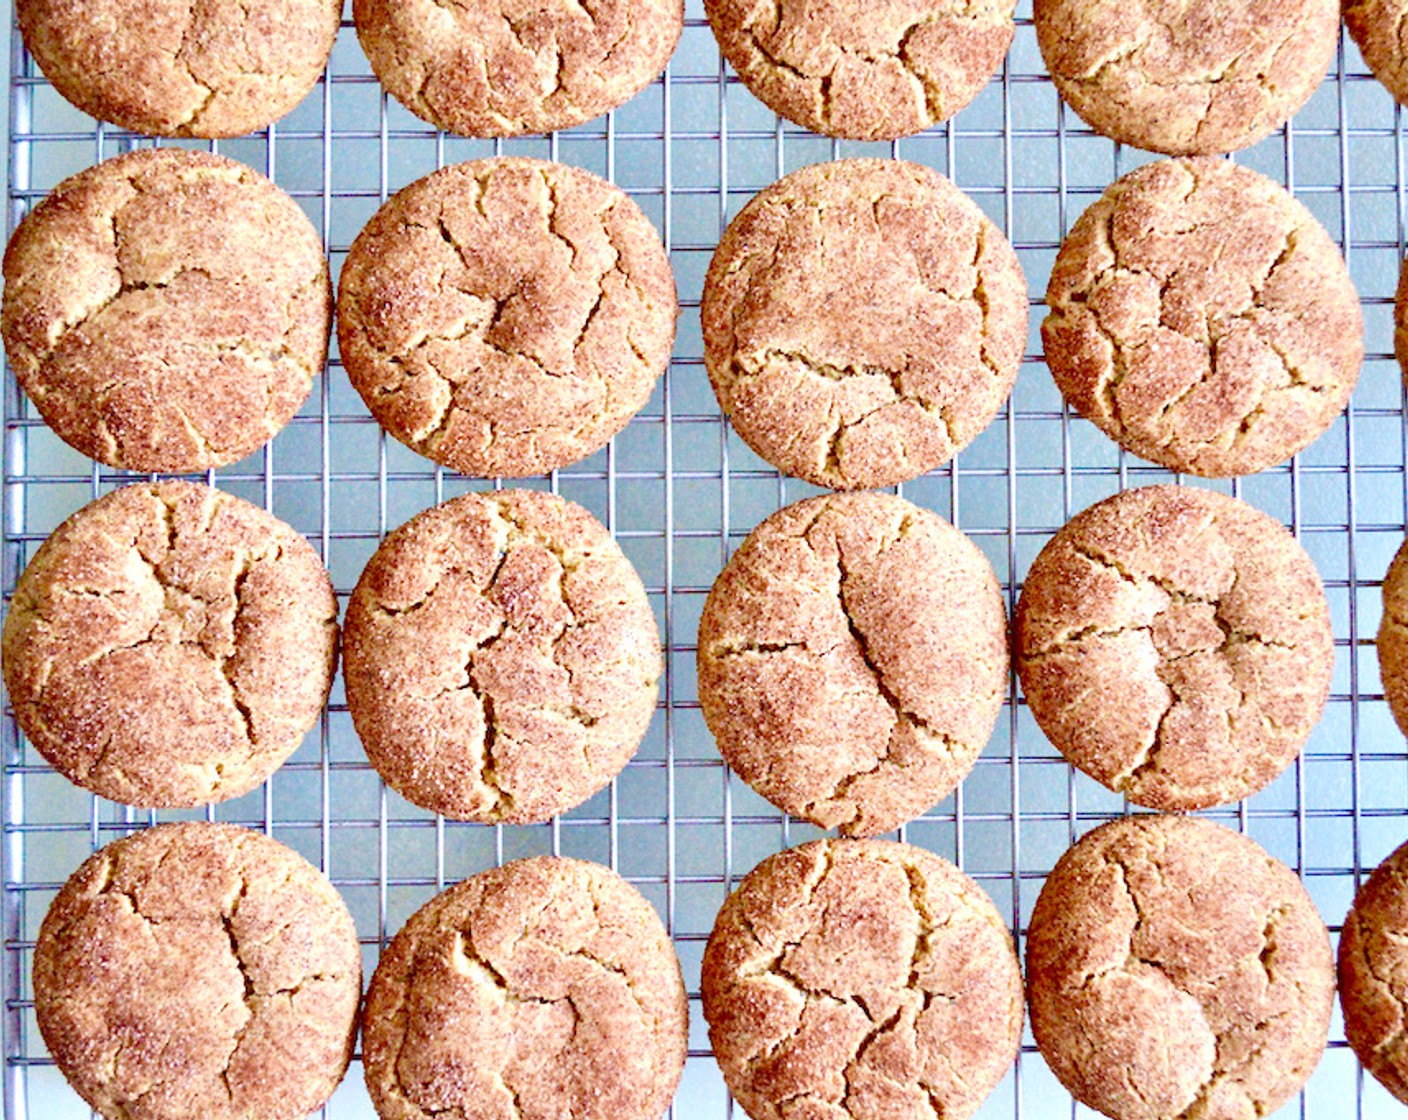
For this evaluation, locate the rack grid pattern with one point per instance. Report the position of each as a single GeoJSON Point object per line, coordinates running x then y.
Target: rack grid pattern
{"type": "Point", "coordinates": [679, 491]}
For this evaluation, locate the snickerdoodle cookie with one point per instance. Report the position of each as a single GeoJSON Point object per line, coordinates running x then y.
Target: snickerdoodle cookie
{"type": "Point", "coordinates": [1393, 637]}
{"type": "Point", "coordinates": [1174, 969]}
{"type": "Point", "coordinates": [544, 988]}
{"type": "Point", "coordinates": [889, 69]}
{"type": "Point", "coordinates": [501, 68]}
{"type": "Point", "coordinates": [853, 660]}
{"type": "Point", "coordinates": [169, 645]}
{"type": "Point", "coordinates": [1197, 78]}
{"type": "Point", "coordinates": [178, 67]}
{"type": "Point", "coordinates": [1175, 644]}
{"type": "Point", "coordinates": [506, 316]}
{"type": "Point", "coordinates": [199, 969]}
{"type": "Point", "coordinates": [501, 658]}
{"type": "Point", "coordinates": [1373, 973]}
{"type": "Point", "coordinates": [1400, 319]}
{"type": "Point", "coordinates": [862, 979]}
{"type": "Point", "coordinates": [863, 321]}
{"type": "Point", "coordinates": [1377, 27]}
{"type": "Point", "coordinates": [166, 310]}
{"type": "Point", "coordinates": [1203, 319]}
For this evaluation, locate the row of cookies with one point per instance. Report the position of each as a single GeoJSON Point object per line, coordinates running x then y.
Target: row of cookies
{"type": "Point", "coordinates": [1217, 78]}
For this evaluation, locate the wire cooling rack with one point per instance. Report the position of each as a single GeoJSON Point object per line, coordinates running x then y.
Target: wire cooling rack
{"type": "Point", "coordinates": [679, 491]}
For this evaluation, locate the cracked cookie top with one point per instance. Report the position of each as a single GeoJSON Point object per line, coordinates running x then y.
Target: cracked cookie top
{"type": "Point", "coordinates": [877, 71]}
{"type": "Point", "coordinates": [1393, 638]}
{"type": "Point", "coordinates": [208, 68]}
{"type": "Point", "coordinates": [863, 321]}
{"type": "Point", "coordinates": [1175, 644]}
{"type": "Point", "coordinates": [501, 657]}
{"type": "Point", "coordinates": [544, 988]}
{"type": "Point", "coordinates": [1203, 319]}
{"type": "Point", "coordinates": [198, 969]}
{"type": "Point", "coordinates": [853, 660]}
{"type": "Point", "coordinates": [1373, 974]}
{"type": "Point", "coordinates": [506, 316]}
{"type": "Point", "coordinates": [169, 645]}
{"type": "Point", "coordinates": [1380, 29]}
{"type": "Point", "coordinates": [1193, 77]}
{"type": "Point", "coordinates": [506, 67]}
{"type": "Point", "coordinates": [166, 310]}
{"type": "Point", "coordinates": [863, 979]}
{"type": "Point", "coordinates": [1175, 970]}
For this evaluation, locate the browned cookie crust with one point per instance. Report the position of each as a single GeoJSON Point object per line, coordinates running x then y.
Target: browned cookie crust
{"type": "Point", "coordinates": [1393, 638]}
{"type": "Point", "coordinates": [853, 660]}
{"type": "Point", "coordinates": [1378, 27]}
{"type": "Point", "coordinates": [500, 68]}
{"type": "Point", "coordinates": [861, 979]}
{"type": "Point", "coordinates": [1203, 319]}
{"type": "Point", "coordinates": [1174, 969]}
{"type": "Point", "coordinates": [889, 69]}
{"type": "Point", "coordinates": [1400, 320]}
{"type": "Point", "coordinates": [169, 645]}
{"type": "Point", "coordinates": [863, 322]}
{"type": "Point", "coordinates": [1175, 644]}
{"type": "Point", "coordinates": [1197, 78]}
{"type": "Point", "coordinates": [182, 67]}
{"type": "Point", "coordinates": [199, 970]}
{"type": "Point", "coordinates": [506, 316]}
{"type": "Point", "coordinates": [1373, 974]}
{"type": "Point", "coordinates": [166, 310]}
{"type": "Point", "coordinates": [544, 988]}
{"type": "Point", "coordinates": [501, 658]}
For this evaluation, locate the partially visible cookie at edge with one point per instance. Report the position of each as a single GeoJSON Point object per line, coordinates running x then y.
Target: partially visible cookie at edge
{"type": "Point", "coordinates": [1392, 640]}
{"type": "Point", "coordinates": [199, 969]}
{"type": "Point", "coordinates": [495, 68]}
{"type": "Point", "coordinates": [166, 310]}
{"type": "Point", "coordinates": [890, 70]}
{"type": "Point", "coordinates": [506, 316]}
{"type": "Point", "coordinates": [1203, 319]}
{"type": "Point", "coordinates": [1216, 77]}
{"type": "Point", "coordinates": [1377, 27]}
{"type": "Point", "coordinates": [169, 645]}
{"type": "Point", "coordinates": [863, 322]}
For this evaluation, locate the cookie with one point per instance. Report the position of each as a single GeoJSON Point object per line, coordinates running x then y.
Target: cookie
{"type": "Point", "coordinates": [546, 987]}
{"type": "Point", "coordinates": [1175, 645]}
{"type": "Point", "coordinates": [853, 660]}
{"type": "Point", "coordinates": [863, 321]}
{"type": "Point", "coordinates": [1393, 638]}
{"type": "Point", "coordinates": [891, 69]}
{"type": "Point", "coordinates": [169, 645]}
{"type": "Point", "coordinates": [1203, 319]}
{"type": "Point", "coordinates": [166, 310]}
{"type": "Point", "coordinates": [506, 316]}
{"type": "Point", "coordinates": [177, 68]}
{"type": "Point", "coordinates": [1175, 969]}
{"type": "Point", "coordinates": [198, 969]}
{"type": "Point", "coordinates": [1400, 320]}
{"type": "Point", "coordinates": [862, 979]}
{"type": "Point", "coordinates": [1376, 26]}
{"type": "Point", "coordinates": [1373, 957]}
{"type": "Point", "coordinates": [1212, 78]}
{"type": "Point", "coordinates": [496, 68]}
{"type": "Point", "coordinates": [501, 658]}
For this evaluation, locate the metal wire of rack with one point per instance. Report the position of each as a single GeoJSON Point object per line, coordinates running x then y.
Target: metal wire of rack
{"type": "Point", "coordinates": [679, 491]}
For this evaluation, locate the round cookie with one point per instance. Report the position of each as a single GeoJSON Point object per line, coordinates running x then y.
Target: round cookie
{"type": "Point", "coordinates": [1175, 969]}
{"type": "Point", "coordinates": [1376, 26]}
{"type": "Point", "coordinates": [1400, 320]}
{"type": "Point", "coordinates": [506, 316]}
{"type": "Point", "coordinates": [862, 979]}
{"type": "Point", "coordinates": [170, 645]}
{"type": "Point", "coordinates": [853, 660]}
{"type": "Point", "coordinates": [199, 969]}
{"type": "Point", "coordinates": [891, 69]}
{"type": "Point", "coordinates": [1203, 319]}
{"type": "Point", "coordinates": [501, 658]}
{"type": "Point", "coordinates": [546, 987]}
{"type": "Point", "coordinates": [1373, 965]}
{"type": "Point", "coordinates": [1213, 77]}
{"type": "Point", "coordinates": [1393, 638]}
{"type": "Point", "coordinates": [178, 68]}
{"type": "Point", "coordinates": [497, 68]}
{"type": "Point", "coordinates": [1175, 644]}
{"type": "Point", "coordinates": [166, 310]}
{"type": "Point", "coordinates": [863, 322]}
